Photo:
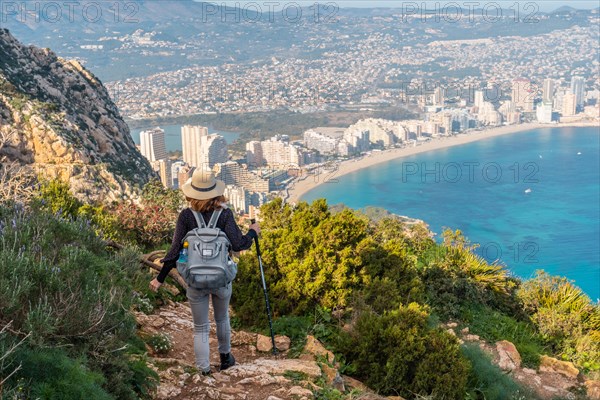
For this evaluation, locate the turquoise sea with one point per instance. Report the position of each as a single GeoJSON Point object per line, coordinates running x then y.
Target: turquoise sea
{"type": "Point", "coordinates": [530, 199]}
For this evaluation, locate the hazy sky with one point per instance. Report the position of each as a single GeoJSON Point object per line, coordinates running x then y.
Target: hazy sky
{"type": "Point", "coordinates": [543, 5]}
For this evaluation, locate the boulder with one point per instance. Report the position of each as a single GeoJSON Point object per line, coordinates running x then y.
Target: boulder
{"type": "Point", "coordinates": [243, 338]}
{"type": "Point", "coordinates": [316, 349]}
{"type": "Point", "coordinates": [264, 343]}
{"type": "Point", "coordinates": [299, 391]}
{"type": "Point", "coordinates": [167, 392]}
{"type": "Point", "coordinates": [338, 383]}
{"type": "Point", "coordinates": [509, 357]}
{"type": "Point", "coordinates": [354, 383]}
{"type": "Point", "coordinates": [283, 343]}
{"type": "Point", "coordinates": [550, 364]}
{"type": "Point", "coordinates": [593, 389]}
{"type": "Point", "coordinates": [471, 338]}
{"type": "Point", "coordinates": [156, 321]}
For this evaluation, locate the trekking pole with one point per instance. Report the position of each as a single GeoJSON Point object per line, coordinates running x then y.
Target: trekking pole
{"type": "Point", "coordinates": [264, 285]}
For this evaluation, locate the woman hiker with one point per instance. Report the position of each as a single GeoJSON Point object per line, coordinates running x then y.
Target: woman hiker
{"type": "Point", "coordinates": [205, 195]}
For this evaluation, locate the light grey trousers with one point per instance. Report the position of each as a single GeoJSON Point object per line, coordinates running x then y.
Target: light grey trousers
{"type": "Point", "coordinates": [199, 304]}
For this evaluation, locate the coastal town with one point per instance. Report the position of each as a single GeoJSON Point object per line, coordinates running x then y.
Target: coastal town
{"type": "Point", "coordinates": [281, 166]}
{"type": "Point", "coordinates": [371, 72]}
{"type": "Point", "coordinates": [412, 89]}
{"type": "Point", "coordinates": [346, 200]}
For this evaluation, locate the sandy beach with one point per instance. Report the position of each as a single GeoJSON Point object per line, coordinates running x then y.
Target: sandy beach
{"type": "Point", "coordinates": [306, 183]}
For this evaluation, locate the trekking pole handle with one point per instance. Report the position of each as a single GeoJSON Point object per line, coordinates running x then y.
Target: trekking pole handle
{"type": "Point", "coordinates": [253, 221]}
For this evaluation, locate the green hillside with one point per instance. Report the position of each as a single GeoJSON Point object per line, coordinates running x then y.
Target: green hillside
{"type": "Point", "coordinates": [376, 293]}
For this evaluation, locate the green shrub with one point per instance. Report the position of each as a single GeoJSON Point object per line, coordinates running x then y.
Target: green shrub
{"type": "Point", "coordinates": [315, 258]}
{"type": "Point", "coordinates": [59, 283]}
{"type": "Point", "coordinates": [55, 195]}
{"type": "Point", "coordinates": [328, 393]}
{"type": "Point", "coordinates": [312, 261]}
{"type": "Point", "coordinates": [397, 353]}
{"type": "Point", "coordinates": [149, 224]}
{"type": "Point", "coordinates": [584, 351]}
{"type": "Point", "coordinates": [296, 328]}
{"type": "Point", "coordinates": [565, 317]}
{"type": "Point", "coordinates": [51, 374]}
{"type": "Point", "coordinates": [487, 381]}
{"type": "Point", "coordinates": [319, 324]}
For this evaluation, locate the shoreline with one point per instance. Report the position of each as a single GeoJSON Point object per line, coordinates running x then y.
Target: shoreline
{"type": "Point", "coordinates": [299, 188]}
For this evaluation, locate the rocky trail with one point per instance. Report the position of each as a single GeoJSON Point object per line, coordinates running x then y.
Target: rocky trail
{"type": "Point", "coordinates": [260, 375]}
{"type": "Point", "coordinates": [257, 375]}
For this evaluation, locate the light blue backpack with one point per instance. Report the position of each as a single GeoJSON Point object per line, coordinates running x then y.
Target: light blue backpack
{"type": "Point", "coordinates": [209, 265]}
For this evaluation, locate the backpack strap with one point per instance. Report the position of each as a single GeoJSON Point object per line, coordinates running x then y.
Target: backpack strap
{"type": "Point", "coordinates": [214, 218]}
{"type": "Point", "coordinates": [199, 219]}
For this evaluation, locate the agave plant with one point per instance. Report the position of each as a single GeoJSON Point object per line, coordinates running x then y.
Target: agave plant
{"type": "Point", "coordinates": [460, 254]}
{"type": "Point", "coordinates": [545, 291]}
{"type": "Point", "coordinates": [493, 276]}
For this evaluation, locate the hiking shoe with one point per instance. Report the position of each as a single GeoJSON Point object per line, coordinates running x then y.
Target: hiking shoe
{"type": "Point", "coordinates": [206, 373]}
{"type": "Point", "coordinates": [227, 361]}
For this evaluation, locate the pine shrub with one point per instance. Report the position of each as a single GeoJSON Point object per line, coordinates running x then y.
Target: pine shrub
{"type": "Point", "coordinates": [398, 354]}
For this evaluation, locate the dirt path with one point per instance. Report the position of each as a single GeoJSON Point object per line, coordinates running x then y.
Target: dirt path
{"type": "Point", "coordinates": [257, 375]}
{"type": "Point", "coordinates": [260, 375]}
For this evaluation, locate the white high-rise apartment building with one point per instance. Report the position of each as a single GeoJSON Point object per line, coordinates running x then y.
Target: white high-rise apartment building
{"type": "Point", "coordinates": [152, 144]}
{"type": "Point", "coordinates": [324, 144]}
{"type": "Point", "coordinates": [275, 152]}
{"type": "Point", "coordinates": [569, 105]}
{"type": "Point", "coordinates": [254, 155]}
{"type": "Point", "coordinates": [191, 141]}
{"type": "Point", "coordinates": [578, 89]}
{"type": "Point", "coordinates": [163, 168]}
{"type": "Point", "coordinates": [523, 94]}
{"type": "Point", "coordinates": [548, 91]}
{"type": "Point", "coordinates": [479, 99]}
{"type": "Point", "coordinates": [544, 113]}
{"type": "Point", "coordinates": [213, 150]}
{"type": "Point", "coordinates": [176, 168]}
{"type": "Point", "coordinates": [438, 96]}
{"type": "Point", "coordinates": [238, 198]}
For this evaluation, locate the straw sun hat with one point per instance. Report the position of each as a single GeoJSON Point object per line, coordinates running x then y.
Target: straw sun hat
{"type": "Point", "coordinates": [203, 185]}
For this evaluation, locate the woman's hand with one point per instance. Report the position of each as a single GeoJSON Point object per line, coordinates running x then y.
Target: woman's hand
{"type": "Point", "coordinates": [155, 285]}
{"type": "Point", "coordinates": [256, 227]}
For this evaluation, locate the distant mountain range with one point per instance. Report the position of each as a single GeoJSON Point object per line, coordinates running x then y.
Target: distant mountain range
{"type": "Point", "coordinates": [140, 37]}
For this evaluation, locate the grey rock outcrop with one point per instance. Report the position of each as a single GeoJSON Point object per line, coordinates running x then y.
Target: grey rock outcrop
{"type": "Point", "coordinates": [58, 118]}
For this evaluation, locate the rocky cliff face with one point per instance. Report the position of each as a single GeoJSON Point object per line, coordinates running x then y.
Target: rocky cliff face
{"type": "Point", "coordinates": [57, 118]}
